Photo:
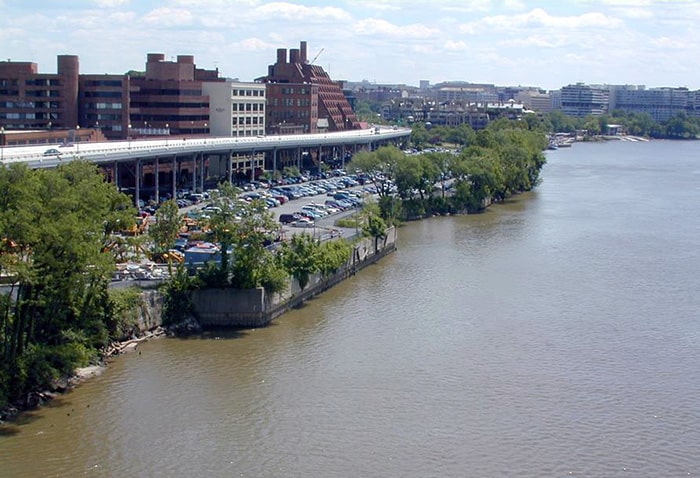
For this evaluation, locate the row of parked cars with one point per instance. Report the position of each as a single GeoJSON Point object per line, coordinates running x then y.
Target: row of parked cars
{"type": "Point", "coordinates": [322, 186]}
{"type": "Point", "coordinates": [309, 213]}
{"type": "Point", "coordinates": [278, 195]}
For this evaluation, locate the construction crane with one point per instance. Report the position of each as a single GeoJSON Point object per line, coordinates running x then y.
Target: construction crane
{"type": "Point", "coordinates": [317, 55]}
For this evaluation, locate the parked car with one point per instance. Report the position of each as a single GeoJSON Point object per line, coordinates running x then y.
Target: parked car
{"type": "Point", "coordinates": [303, 222]}
{"type": "Point", "coordinates": [289, 218]}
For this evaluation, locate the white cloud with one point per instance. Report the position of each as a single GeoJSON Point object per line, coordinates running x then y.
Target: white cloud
{"type": "Point", "coordinates": [374, 26]}
{"type": "Point", "coordinates": [111, 3]}
{"type": "Point", "coordinates": [291, 11]}
{"type": "Point", "coordinates": [515, 5]}
{"type": "Point", "coordinates": [622, 3]}
{"type": "Point", "coordinates": [451, 45]}
{"type": "Point", "coordinates": [209, 4]}
{"type": "Point", "coordinates": [169, 17]}
{"type": "Point", "coordinates": [379, 5]}
{"type": "Point", "coordinates": [536, 41]}
{"type": "Point", "coordinates": [254, 44]}
{"type": "Point", "coordinates": [469, 6]}
{"type": "Point", "coordinates": [540, 18]}
{"type": "Point", "coordinates": [635, 13]}
{"type": "Point", "coordinates": [670, 43]}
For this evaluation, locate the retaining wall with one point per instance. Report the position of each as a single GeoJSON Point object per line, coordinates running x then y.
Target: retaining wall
{"type": "Point", "coordinates": [255, 308]}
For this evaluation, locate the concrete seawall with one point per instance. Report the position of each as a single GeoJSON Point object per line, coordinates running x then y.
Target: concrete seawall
{"type": "Point", "coordinates": [255, 308]}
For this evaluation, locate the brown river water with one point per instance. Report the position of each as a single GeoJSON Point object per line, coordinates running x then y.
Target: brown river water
{"type": "Point", "coordinates": [556, 335]}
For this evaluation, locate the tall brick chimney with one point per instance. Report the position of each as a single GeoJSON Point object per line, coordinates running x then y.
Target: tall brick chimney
{"type": "Point", "coordinates": [294, 55]}
{"type": "Point", "coordinates": [302, 53]}
{"type": "Point", "coordinates": [281, 55]}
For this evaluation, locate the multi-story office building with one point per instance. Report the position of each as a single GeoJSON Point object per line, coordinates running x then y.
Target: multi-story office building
{"type": "Point", "coordinates": [466, 93]}
{"type": "Point", "coordinates": [302, 98]}
{"type": "Point", "coordinates": [581, 100]}
{"type": "Point", "coordinates": [169, 97]}
{"type": "Point", "coordinates": [535, 100]}
{"type": "Point", "coordinates": [235, 108]}
{"type": "Point", "coordinates": [165, 99]}
{"type": "Point", "coordinates": [661, 104]}
{"type": "Point", "coordinates": [104, 104]}
{"type": "Point", "coordinates": [555, 98]}
{"type": "Point", "coordinates": [31, 100]}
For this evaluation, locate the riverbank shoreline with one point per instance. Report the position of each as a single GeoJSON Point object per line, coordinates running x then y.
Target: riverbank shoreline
{"type": "Point", "coordinates": [36, 399]}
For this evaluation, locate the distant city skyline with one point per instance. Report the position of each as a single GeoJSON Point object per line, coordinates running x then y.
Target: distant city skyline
{"type": "Point", "coordinates": [501, 42]}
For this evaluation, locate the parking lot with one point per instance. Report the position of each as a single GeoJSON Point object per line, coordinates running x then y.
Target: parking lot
{"type": "Point", "coordinates": [309, 199]}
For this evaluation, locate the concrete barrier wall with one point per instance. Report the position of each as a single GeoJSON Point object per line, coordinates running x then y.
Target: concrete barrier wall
{"type": "Point", "coordinates": [254, 308]}
{"type": "Point", "coordinates": [219, 307]}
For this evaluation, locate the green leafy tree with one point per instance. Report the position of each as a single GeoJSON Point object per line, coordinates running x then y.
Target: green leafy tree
{"type": "Point", "coordinates": [380, 166]}
{"type": "Point", "coordinates": [373, 226]}
{"type": "Point", "coordinates": [479, 177]}
{"type": "Point", "coordinates": [246, 229]}
{"type": "Point", "coordinates": [291, 172]}
{"type": "Point", "coordinates": [54, 225]}
{"type": "Point", "coordinates": [167, 226]}
{"type": "Point", "coordinates": [333, 255]}
{"type": "Point", "coordinates": [440, 170]}
{"type": "Point", "coordinates": [420, 137]}
{"type": "Point", "coordinates": [301, 257]}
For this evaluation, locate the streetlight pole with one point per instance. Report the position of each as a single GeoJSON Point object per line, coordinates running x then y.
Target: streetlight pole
{"type": "Point", "coordinates": [77, 141]}
{"type": "Point", "coordinates": [2, 143]}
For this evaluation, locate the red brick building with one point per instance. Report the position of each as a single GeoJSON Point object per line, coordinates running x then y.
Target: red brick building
{"type": "Point", "coordinates": [30, 100]}
{"type": "Point", "coordinates": [164, 99]}
{"type": "Point", "coordinates": [169, 97]}
{"type": "Point", "coordinates": [302, 98]}
{"type": "Point", "coordinates": [104, 104]}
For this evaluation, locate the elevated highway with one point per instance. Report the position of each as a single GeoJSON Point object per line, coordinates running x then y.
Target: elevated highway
{"type": "Point", "coordinates": [108, 153]}
{"type": "Point", "coordinates": [154, 168]}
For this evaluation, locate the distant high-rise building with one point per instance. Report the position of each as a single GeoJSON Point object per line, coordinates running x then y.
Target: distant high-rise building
{"type": "Point", "coordinates": [661, 104]}
{"type": "Point", "coordinates": [466, 93]}
{"type": "Point", "coordinates": [302, 98]}
{"type": "Point", "coordinates": [535, 100]}
{"type": "Point", "coordinates": [582, 100]}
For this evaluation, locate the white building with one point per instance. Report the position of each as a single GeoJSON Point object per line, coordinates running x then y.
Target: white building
{"type": "Point", "coordinates": [236, 109]}
{"type": "Point", "coordinates": [581, 100]}
{"type": "Point", "coordinates": [661, 104]}
{"type": "Point", "coordinates": [535, 100]}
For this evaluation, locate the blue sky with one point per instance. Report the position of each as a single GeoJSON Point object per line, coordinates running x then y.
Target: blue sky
{"type": "Point", "coordinates": [505, 42]}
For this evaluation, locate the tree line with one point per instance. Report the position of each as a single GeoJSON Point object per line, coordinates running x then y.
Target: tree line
{"type": "Point", "coordinates": [480, 167]}
{"type": "Point", "coordinates": [57, 312]}
{"type": "Point", "coordinates": [680, 126]}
